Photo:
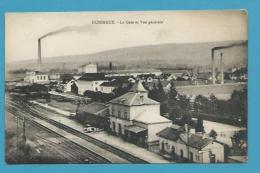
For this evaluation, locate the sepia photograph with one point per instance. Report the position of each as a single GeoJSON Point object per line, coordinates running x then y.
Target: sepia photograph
{"type": "Point", "coordinates": [126, 87]}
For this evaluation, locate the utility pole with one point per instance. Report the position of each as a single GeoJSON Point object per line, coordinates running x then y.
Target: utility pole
{"type": "Point", "coordinates": [17, 133]}
{"type": "Point", "coordinates": [23, 134]}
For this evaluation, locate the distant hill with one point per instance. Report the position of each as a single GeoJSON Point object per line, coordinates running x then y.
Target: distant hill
{"type": "Point", "coordinates": [163, 55]}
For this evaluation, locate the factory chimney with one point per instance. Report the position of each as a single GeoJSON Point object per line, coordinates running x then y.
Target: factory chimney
{"type": "Point", "coordinates": [39, 54]}
{"type": "Point", "coordinates": [221, 69]}
{"type": "Point", "coordinates": [213, 66]}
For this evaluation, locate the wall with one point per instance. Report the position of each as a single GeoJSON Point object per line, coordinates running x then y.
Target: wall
{"type": "Point", "coordinates": [155, 128]}
{"type": "Point", "coordinates": [106, 89]}
{"type": "Point", "coordinates": [89, 85]}
{"type": "Point", "coordinates": [40, 79]}
{"type": "Point", "coordinates": [118, 121]}
{"type": "Point", "coordinates": [89, 68]}
{"type": "Point", "coordinates": [217, 149]}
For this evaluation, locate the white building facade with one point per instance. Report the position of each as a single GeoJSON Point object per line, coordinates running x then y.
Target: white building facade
{"type": "Point", "coordinates": [36, 77]}
{"type": "Point", "coordinates": [88, 68]}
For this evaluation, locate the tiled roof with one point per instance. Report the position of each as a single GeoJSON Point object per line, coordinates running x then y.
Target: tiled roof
{"type": "Point", "coordinates": [169, 133]}
{"type": "Point", "coordinates": [133, 99]}
{"type": "Point", "coordinates": [193, 140]}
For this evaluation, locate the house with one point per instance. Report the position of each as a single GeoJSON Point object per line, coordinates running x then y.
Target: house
{"type": "Point", "coordinates": [87, 68]}
{"type": "Point", "coordinates": [95, 114]}
{"type": "Point", "coordinates": [136, 118]}
{"type": "Point", "coordinates": [36, 77]}
{"type": "Point", "coordinates": [90, 82]}
{"type": "Point", "coordinates": [71, 86]}
{"type": "Point", "coordinates": [179, 145]}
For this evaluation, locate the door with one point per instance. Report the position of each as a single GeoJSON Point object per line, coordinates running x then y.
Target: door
{"type": "Point", "coordinates": [119, 129]}
{"type": "Point", "coordinates": [191, 157]}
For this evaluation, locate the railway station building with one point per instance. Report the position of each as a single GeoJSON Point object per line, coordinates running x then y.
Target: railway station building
{"type": "Point", "coordinates": [136, 118]}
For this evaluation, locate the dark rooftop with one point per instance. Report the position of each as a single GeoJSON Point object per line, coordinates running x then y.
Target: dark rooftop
{"type": "Point", "coordinates": [193, 140]}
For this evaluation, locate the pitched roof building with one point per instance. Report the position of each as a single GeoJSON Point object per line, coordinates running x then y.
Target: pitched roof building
{"type": "Point", "coordinates": [181, 145]}
{"type": "Point", "coordinates": [136, 117]}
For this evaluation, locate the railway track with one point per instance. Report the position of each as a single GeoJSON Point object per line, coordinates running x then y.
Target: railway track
{"type": "Point", "coordinates": [74, 152]}
{"type": "Point", "coordinates": [39, 114]}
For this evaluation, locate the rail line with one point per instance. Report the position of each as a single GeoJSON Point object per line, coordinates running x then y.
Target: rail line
{"type": "Point", "coordinates": [110, 148]}
{"type": "Point", "coordinates": [72, 149]}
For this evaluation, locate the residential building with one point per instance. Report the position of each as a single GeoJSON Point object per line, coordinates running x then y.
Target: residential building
{"type": "Point", "coordinates": [137, 118]}
{"type": "Point", "coordinates": [179, 145]}
{"type": "Point", "coordinates": [36, 77]}
{"type": "Point", "coordinates": [88, 68]}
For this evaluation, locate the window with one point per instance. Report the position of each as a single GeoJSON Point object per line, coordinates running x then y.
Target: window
{"type": "Point", "coordinates": [44, 77]}
{"type": "Point", "coordinates": [41, 77]}
{"type": "Point", "coordinates": [181, 153]}
{"type": "Point", "coordinates": [119, 129]}
{"type": "Point", "coordinates": [37, 77]}
{"type": "Point", "coordinates": [173, 150]}
{"type": "Point", "coordinates": [119, 113]}
{"type": "Point", "coordinates": [113, 126]}
{"type": "Point", "coordinates": [125, 114]}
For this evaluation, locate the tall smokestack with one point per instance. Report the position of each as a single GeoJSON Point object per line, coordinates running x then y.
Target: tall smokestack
{"type": "Point", "coordinates": [213, 67]}
{"type": "Point", "coordinates": [221, 69]}
{"type": "Point", "coordinates": [39, 54]}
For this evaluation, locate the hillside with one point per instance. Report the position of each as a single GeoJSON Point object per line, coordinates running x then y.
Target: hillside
{"type": "Point", "coordinates": [164, 55]}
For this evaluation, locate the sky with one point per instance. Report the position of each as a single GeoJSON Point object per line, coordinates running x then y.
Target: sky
{"type": "Point", "coordinates": [73, 33]}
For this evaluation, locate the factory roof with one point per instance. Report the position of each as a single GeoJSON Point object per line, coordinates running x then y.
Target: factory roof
{"type": "Point", "coordinates": [93, 77]}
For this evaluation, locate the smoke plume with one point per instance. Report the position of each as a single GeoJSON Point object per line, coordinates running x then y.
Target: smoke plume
{"type": "Point", "coordinates": [229, 46]}
{"type": "Point", "coordinates": [82, 28]}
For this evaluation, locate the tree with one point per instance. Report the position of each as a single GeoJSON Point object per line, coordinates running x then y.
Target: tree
{"type": "Point", "coordinates": [213, 100]}
{"type": "Point", "coordinates": [174, 109]}
{"type": "Point", "coordinates": [238, 105]}
{"type": "Point", "coordinates": [213, 134]}
{"type": "Point", "coordinates": [157, 92]}
{"type": "Point", "coordinates": [239, 142]}
{"type": "Point", "coordinates": [160, 94]}
{"type": "Point", "coordinates": [199, 126]}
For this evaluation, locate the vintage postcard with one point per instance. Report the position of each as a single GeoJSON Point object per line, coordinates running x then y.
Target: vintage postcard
{"type": "Point", "coordinates": [126, 87]}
